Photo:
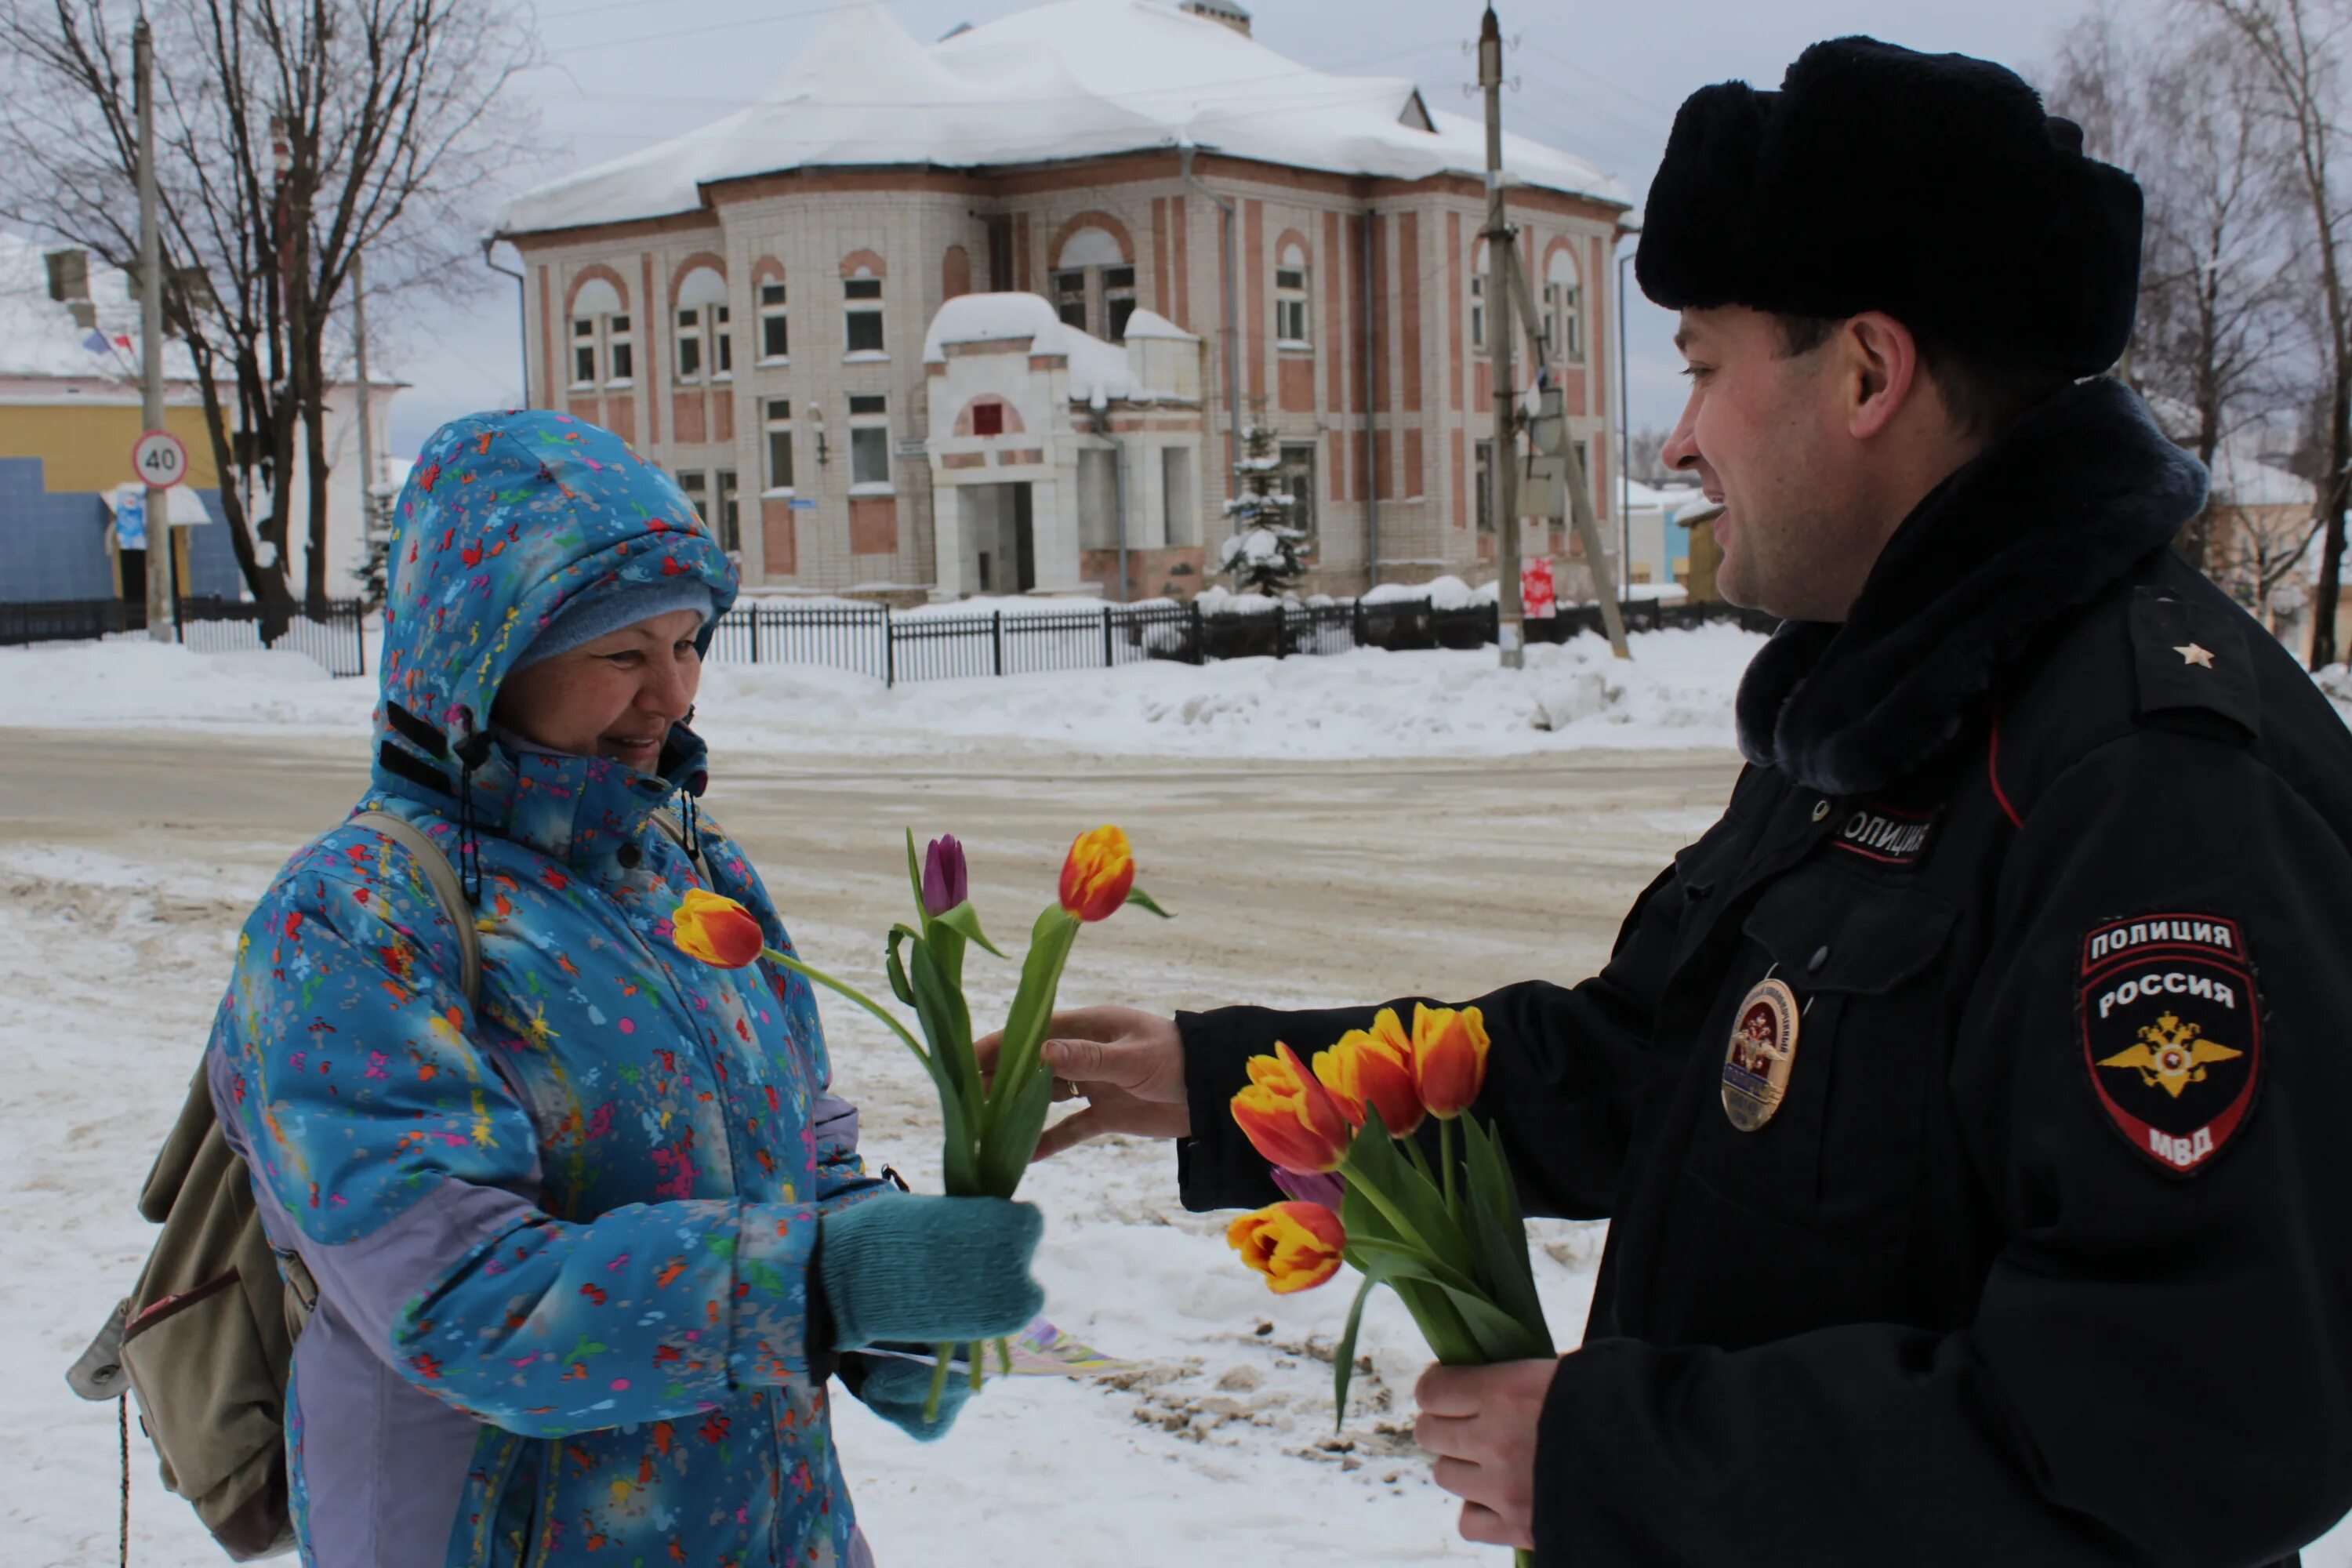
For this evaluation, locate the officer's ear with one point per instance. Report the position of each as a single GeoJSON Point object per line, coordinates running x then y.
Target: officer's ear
{"type": "Point", "coordinates": [1878, 371]}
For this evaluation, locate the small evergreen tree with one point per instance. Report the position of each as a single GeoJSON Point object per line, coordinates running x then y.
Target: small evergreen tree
{"type": "Point", "coordinates": [1263, 553]}
{"type": "Point", "coordinates": [375, 570]}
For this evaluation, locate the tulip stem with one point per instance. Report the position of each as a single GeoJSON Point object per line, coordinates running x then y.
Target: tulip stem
{"type": "Point", "coordinates": [853, 994]}
{"type": "Point", "coordinates": [946, 1354]}
{"type": "Point", "coordinates": [1004, 1353]}
{"type": "Point", "coordinates": [1419, 1161]}
{"type": "Point", "coordinates": [978, 1352]}
{"type": "Point", "coordinates": [1445, 1161]}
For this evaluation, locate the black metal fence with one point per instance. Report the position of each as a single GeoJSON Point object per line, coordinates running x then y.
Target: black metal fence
{"type": "Point", "coordinates": [332, 637]}
{"type": "Point", "coordinates": [892, 648]}
{"type": "Point", "coordinates": [870, 641]}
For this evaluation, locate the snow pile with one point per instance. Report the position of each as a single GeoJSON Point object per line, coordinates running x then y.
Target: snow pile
{"type": "Point", "coordinates": [131, 682]}
{"type": "Point", "coordinates": [1074, 79]}
{"type": "Point", "coordinates": [1675, 692]}
{"type": "Point", "coordinates": [1100, 371]}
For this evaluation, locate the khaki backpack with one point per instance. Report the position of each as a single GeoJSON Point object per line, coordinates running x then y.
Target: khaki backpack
{"type": "Point", "coordinates": [206, 1338]}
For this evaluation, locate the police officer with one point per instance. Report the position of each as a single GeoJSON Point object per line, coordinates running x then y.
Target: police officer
{"type": "Point", "coordinates": [1970, 1102]}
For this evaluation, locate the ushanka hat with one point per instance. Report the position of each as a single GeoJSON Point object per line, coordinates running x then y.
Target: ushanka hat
{"type": "Point", "coordinates": [1932, 187]}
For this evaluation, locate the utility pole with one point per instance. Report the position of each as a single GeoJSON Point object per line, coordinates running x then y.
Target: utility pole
{"type": "Point", "coordinates": [370, 523]}
{"type": "Point", "coordinates": [151, 335]}
{"type": "Point", "coordinates": [1510, 628]}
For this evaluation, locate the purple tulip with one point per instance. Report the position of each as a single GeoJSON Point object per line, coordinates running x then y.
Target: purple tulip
{"type": "Point", "coordinates": [1327, 1190]}
{"type": "Point", "coordinates": [946, 883]}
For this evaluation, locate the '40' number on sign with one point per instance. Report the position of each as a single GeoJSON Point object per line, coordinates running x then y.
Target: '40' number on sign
{"type": "Point", "coordinates": [160, 459]}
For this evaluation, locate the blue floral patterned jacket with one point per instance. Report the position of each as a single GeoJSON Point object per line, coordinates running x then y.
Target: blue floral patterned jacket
{"type": "Point", "coordinates": [562, 1237]}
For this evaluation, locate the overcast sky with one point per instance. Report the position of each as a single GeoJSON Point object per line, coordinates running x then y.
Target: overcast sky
{"type": "Point", "coordinates": [1599, 80]}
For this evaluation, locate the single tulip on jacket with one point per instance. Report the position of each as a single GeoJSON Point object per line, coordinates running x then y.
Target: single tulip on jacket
{"type": "Point", "coordinates": [1097, 874]}
{"type": "Point", "coordinates": [716, 930]}
{"type": "Point", "coordinates": [1296, 1246]}
{"type": "Point", "coordinates": [1290, 1117]}
{"type": "Point", "coordinates": [1374, 1065]}
{"type": "Point", "coordinates": [1449, 1058]}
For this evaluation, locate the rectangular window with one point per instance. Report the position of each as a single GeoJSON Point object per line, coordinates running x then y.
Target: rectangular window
{"type": "Point", "coordinates": [1298, 480]}
{"type": "Point", "coordinates": [584, 351]}
{"type": "Point", "coordinates": [693, 482]}
{"type": "Point", "coordinates": [1290, 304]}
{"type": "Point", "coordinates": [1119, 300]}
{"type": "Point", "coordinates": [863, 327]}
{"type": "Point", "coordinates": [730, 521]}
{"type": "Point", "coordinates": [620, 353]}
{"type": "Point", "coordinates": [1477, 310]}
{"type": "Point", "coordinates": [870, 454]}
{"type": "Point", "coordinates": [689, 345]}
{"type": "Point", "coordinates": [775, 326]}
{"type": "Point", "coordinates": [870, 403]}
{"type": "Point", "coordinates": [1070, 297]}
{"type": "Point", "coordinates": [722, 344]}
{"type": "Point", "coordinates": [1483, 478]}
{"type": "Point", "coordinates": [779, 427]}
{"type": "Point", "coordinates": [1183, 513]}
{"type": "Point", "coordinates": [988, 419]}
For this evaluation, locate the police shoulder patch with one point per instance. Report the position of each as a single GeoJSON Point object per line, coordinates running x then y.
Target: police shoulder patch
{"type": "Point", "coordinates": [2172, 1034]}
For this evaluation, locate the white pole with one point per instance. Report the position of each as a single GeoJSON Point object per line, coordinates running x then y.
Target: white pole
{"type": "Point", "coordinates": [151, 336]}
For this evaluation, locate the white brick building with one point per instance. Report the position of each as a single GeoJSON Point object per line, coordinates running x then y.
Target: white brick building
{"type": "Point", "coordinates": [755, 306]}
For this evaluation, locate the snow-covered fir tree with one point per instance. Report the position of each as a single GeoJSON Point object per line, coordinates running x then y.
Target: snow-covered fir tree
{"type": "Point", "coordinates": [1263, 553]}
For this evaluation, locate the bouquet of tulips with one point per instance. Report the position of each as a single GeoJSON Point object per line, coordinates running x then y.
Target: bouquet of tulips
{"type": "Point", "coordinates": [992, 1125]}
{"type": "Point", "coordinates": [1340, 1134]}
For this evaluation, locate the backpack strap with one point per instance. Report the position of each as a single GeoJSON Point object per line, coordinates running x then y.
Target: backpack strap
{"type": "Point", "coordinates": [667, 821]}
{"type": "Point", "coordinates": [443, 876]}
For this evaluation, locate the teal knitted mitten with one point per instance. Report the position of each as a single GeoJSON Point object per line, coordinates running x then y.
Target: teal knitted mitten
{"type": "Point", "coordinates": [931, 1270]}
{"type": "Point", "coordinates": [897, 1391]}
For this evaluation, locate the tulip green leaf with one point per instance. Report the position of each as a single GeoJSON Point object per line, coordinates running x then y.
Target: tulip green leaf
{"type": "Point", "coordinates": [915, 875]}
{"type": "Point", "coordinates": [1343, 1363]}
{"type": "Point", "coordinates": [964, 921]}
{"type": "Point", "coordinates": [1142, 900]}
{"type": "Point", "coordinates": [1500, 1234]}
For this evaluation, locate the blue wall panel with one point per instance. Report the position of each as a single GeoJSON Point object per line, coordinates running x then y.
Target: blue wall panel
{"type": "Point", "coordinates": [51, 546]}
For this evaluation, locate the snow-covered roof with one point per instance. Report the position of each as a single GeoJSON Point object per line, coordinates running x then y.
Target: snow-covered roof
{"type": "Point", "coordinates": [1067, 79]}
{"type": "Point", "coordinates": [39, 337]}
{"type": "Point", "coordinates": [1100, 371]}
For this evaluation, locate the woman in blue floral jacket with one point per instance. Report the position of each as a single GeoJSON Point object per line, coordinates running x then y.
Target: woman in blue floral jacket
{"type": "Point", "coordinates": [588, 1246]}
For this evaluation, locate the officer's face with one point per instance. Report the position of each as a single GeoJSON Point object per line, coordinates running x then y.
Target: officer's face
{"type": "Point", "coordinates": [1762, 432]}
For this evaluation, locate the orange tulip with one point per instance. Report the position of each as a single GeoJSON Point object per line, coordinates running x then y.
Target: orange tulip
{"type": "Point", "coordinates": [716, 930]}
{"type": "Point", "coordinates": [1296, 1246]}
{"type": "Point", "coordinates": [1449, 1058]}
{"type": "Point", "coordinates": [1375, 1065]}
{"type": "Point", "coordinates": [1289, 1117]}
{"type": "Point", "coordinates": [1097, 874]}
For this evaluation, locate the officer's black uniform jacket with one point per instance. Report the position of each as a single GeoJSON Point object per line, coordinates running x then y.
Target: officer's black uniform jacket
{"type": "Point", "coordinates": [1948, 1306]}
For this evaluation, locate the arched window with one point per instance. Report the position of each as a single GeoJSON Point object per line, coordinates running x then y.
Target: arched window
{"type": "Point", "coordinates": [1563, 306]}
{"type": "Point", "coordinates": [600, 336]}
{"type": "Point", "coordinates": [1094, 283]}
{"type": "Point", "coordinates": [1290, 297]}
{"type": "Point", "coordinates": [704, 340]}
{"type": "Point", "coordinates": [1478, 296]}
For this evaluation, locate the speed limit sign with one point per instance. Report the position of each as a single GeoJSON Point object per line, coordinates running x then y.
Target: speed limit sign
{"type": "Point", "coordinates": [160, 459]}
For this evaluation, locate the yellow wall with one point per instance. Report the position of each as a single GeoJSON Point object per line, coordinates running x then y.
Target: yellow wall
{"type": "Point", "coordinates": [87, 446]}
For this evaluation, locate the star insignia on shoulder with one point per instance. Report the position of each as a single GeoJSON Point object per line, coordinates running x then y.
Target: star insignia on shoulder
{"type": "Point", "coordinates": [2194, 653]}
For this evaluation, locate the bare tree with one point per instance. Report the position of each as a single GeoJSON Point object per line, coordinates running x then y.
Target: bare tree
{"type": "Point", "coordinates": [290, 134]}
{"type": "Point", "coordinates": [2218, 344]}
{"type": "Point", "coordinates": [2297, 46]}
{"type": "Point", "coordinates": [1645, 459]}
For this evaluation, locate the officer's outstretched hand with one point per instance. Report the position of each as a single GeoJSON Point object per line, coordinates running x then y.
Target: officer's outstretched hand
{"type": "Point", "coordinates": [1128, 1064]}
{"type": "Point", "coordinates": [1480, 1422]}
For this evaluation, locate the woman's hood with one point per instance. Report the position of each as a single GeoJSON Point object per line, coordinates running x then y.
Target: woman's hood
{"type": "Point", "coordinates": [507, 519]}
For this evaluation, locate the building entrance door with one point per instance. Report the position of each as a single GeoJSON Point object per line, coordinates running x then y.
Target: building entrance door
{"type": "Point", "coordinates": [1024, 540]}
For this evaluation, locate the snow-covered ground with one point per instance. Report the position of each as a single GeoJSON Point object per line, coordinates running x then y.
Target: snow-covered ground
{"type": "Point", "coordinates": [1674, 692]}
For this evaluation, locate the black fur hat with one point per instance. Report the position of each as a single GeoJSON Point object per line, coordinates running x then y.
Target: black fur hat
{"type": "Point", "coordinates": [1929, 186]}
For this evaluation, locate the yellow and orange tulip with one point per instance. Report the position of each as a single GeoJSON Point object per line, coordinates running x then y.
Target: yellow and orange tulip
{"type": "Point", "coordinates": [1449, 1058]}
{"type": "Point", "coordinates": [1296, 1246]}
{"type": "Point", "coordinates": [1374, 1065]}
{"type": "Point", "coordinates": [716, 930]}
{"type": "Point", "coordinates": [1289, 1117]}
{"type": "Point", "coordinates": [1097, 874]}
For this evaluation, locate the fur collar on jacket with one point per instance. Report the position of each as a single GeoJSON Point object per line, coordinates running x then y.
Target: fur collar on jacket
{"type": "Point", "coordinates": [2043, 521]}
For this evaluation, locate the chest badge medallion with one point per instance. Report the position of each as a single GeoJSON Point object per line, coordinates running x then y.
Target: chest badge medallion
{"type": "Point", "coordinates": [1762, 1054]}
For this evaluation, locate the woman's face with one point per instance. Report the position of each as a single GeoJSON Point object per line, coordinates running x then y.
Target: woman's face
{"type": "Point", "coordinates": [616, 696]}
